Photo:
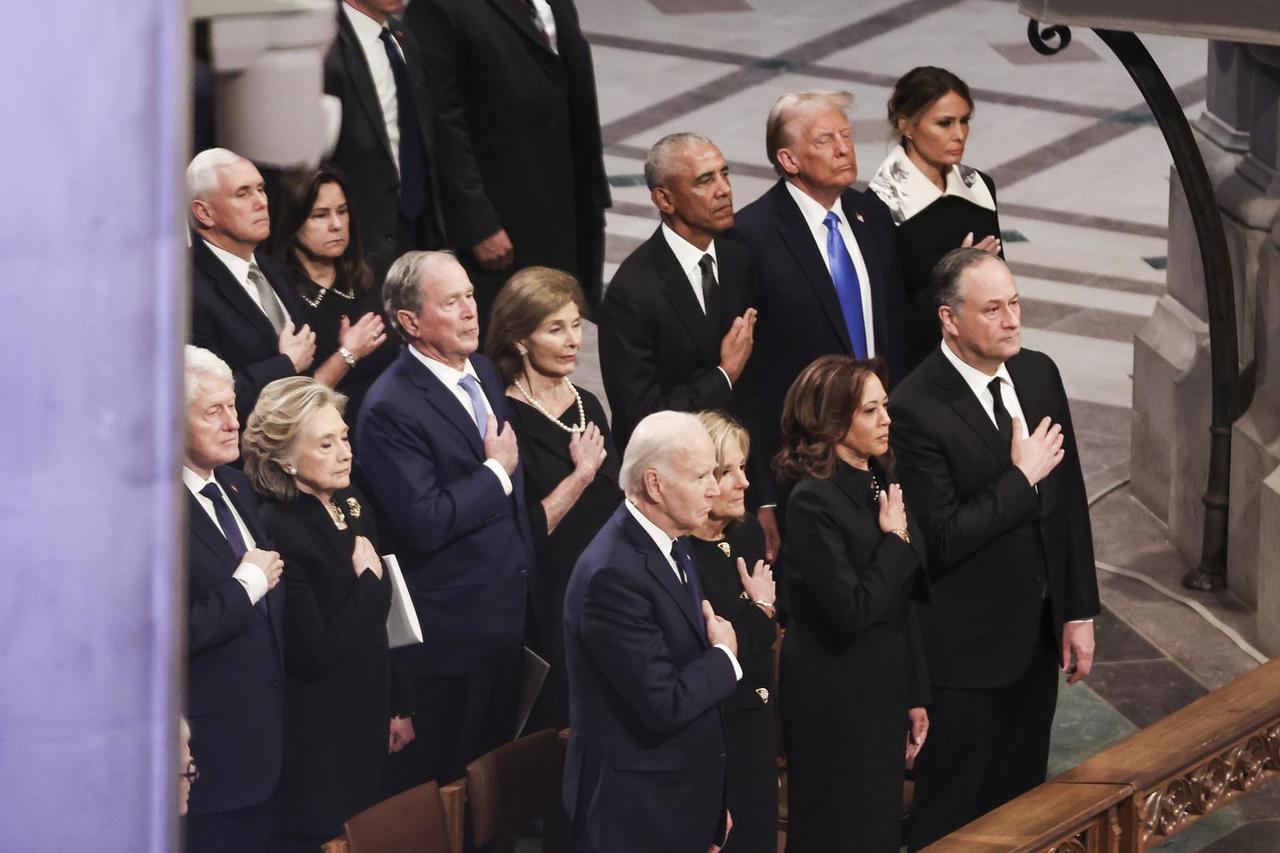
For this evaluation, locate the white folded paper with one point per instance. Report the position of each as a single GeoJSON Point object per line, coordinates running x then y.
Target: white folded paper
{"type": "Point", "coordinates": [402, 621]}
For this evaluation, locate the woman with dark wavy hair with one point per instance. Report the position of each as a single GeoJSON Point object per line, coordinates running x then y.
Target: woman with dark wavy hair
{"type": "Point", "coordinates": [314, 233]}
{"type": "Point", "coordinates": [852, 681]}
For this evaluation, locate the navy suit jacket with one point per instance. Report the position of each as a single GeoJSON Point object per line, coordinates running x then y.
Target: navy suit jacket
{"type": "Point", "coordinates": [645, 768]}
{"type": "Point", "coordinates": [463, 545]}
{"type": "Point", "coordinates": [800, 317]}
{"type": "Point", "coordinates": [234, 664]}
{"type": "Point", "coordinates": [226, 321]}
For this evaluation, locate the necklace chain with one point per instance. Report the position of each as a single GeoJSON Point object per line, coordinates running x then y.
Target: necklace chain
{"type": "Point", "coordinates": [315, 303]}
{"type": "Point", "coordinates": [582, 414]}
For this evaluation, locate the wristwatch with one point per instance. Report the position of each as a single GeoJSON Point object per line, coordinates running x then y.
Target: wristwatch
{"type": "Point", "coordinates": [348, 356]}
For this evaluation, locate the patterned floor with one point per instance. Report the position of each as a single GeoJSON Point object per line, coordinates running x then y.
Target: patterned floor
{"type": "Point", "coordinates": [1083, 180]}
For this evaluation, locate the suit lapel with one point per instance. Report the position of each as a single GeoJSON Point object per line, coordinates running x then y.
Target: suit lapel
{"type": "Point", "coordinates": [656, 565]}
{"type": "Point", "coordinates": [273, 600]}
{"type": "Point", "coordinates": [203, 528]}
{"type": "Point", "coordinates": [232, 291]}
{"type": "Point", "coordinates": [444, 401]}
{"type": "Point", "coordinates": [1028, 389]}
{"type": "Point", "coordinates": [362, 79]}
{"type": "Point", "coordinates": [679, 293]}
{"type": "Point", "coordinates": [799, 240]}
{"type": "Point", "coordinates": [962, 400]}
{"type": "Point", "coordinates": [519, 16]}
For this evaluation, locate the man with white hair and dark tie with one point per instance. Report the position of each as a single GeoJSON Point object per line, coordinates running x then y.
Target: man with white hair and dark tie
{"type": "Point", "coordinates": [648, 660]}
{"type": "Point", "coordinates": [243, 307]}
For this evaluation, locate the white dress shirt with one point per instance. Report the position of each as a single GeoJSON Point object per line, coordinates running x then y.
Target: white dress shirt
{"type": "Point", "coordinates": [239, 268]}
{"type": "Point", "coordinates": [978, 382]}
{"type": "Point", "coordinates": [814, 214]}
{"type": "Point", "coordinates": [664, 542]}
{"type": "Point", "coordinates": [451, 379]}
{"type": "Point", "coordinates": [368, 34]}
{"type": "Point", "coordinates": [689, 257]}
{"type": "Point", "coordinates": [250, 575]}
{"type": "Point", "coordinates": [548, 20]}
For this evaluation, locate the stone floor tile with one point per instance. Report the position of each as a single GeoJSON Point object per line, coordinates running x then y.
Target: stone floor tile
{"type": "Point", "coordinates": [1118, 642]}
{"type": "Point", "coordinates": [1084, 724]}
{"type": "Point", "coordinates": [1145, 691]}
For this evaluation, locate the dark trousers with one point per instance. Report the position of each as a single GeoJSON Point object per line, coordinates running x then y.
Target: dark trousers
{"type": "Point", "coordinates": [246, 830]}
{"type": "Point", "coordinates": [985, 747]}
{"type": "Point", "coordinates": [457, 719]}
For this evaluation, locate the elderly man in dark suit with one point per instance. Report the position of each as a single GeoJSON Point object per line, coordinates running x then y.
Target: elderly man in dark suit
{"type": "Point", "coordinates": [235, 659]}
{"type": "Point", "coordinates": [521, 169]}
{"type": "Point", "coordinates": [648, 660]}
{"type": "Point", "coordinates": [243, 306]}
{"type": "Point", "coordinates": [386, 144]}
{"type": "Point", "coordinates": [440, 460]}
{"type": "Point", "coordinates": [826, 262]}
{"type": "Point", "coordinates": [988, 461]}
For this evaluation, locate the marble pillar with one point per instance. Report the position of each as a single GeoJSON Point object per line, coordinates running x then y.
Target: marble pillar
{"type": "Point", "coordinates": [93, 268]}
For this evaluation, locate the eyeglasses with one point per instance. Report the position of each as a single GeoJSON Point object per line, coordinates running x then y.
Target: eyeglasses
{"type": "Point", "coordinates": [191, 774]}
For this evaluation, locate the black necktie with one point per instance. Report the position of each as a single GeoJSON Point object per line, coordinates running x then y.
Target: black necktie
{"type": "Point", "coordinates": [1003, 422]}
{"type": "Point", "coordinates": [710, 290]}
{"type": "Point", "coordinates": [231, 530]}
{"type": "Point", "coordinates": [412, 169]}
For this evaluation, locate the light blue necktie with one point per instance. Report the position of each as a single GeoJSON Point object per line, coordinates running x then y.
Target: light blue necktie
{"type": "Point", "coordinates": [848, 290]}
{"type": "Point", "coordinates": [472, 387]}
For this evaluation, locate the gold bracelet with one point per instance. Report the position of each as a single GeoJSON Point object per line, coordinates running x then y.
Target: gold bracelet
{"type": "Point", "coordinates": [901, 533]}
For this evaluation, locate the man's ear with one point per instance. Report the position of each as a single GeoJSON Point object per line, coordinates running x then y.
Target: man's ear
{"type": "Point", "coordinates": [408, 321]}
{"type": "Point", "coordinates": [662, 200]}
{"type": "Point", "coordinates": [947, 319]}
{"type": "Point", "coordinates": [787, 161]}
{"type": "Point", "coordinates": [652, 485]}
{"type": "Point", "coordinates": [201, 213]}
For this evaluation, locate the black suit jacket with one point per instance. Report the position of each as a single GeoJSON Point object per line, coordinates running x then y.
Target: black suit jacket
{"type": "Point", "coordinates": [659, 350]}
{"type": "Point", "coordinates": [234, 663]}
{"type": "Point", "coordinates": [645, 765]}
{"type": "Point", "coordinates": [464, 546]}
{"type": "Point", "coordinates": [226, 321]}
{"type": "Point", "coordinates": [518, 131]}
{"type": "Point", "coordinates": [800, 317]}
{"type": "Point", "coordinates": [996, 545]}
{"type": "Point", "coordinates": [364, 152]}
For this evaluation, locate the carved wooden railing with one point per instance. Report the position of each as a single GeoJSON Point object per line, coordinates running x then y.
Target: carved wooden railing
{"type": "Point", "coordinates": [1151, 786]}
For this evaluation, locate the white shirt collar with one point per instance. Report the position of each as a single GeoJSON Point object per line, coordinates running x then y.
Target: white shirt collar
{"type": "Point", "coordinates": [195, 482]}
{"type": "Point", "coordinates": [972, 376]}
{"type": "Point", "coordinates": [687, 254]}
{"type": "Point", "coordinates": [367, 29]}
{"type": "Point", "coordinates": [239, 266]}
{"type": "Point", "coordinates": [656, 533]}
{"type": "Point", "coordinates": [446, 374]}
{"type": "Point", "coordinates": [906, 191]}
{"type": "Point", "coordinates": [813, 211]}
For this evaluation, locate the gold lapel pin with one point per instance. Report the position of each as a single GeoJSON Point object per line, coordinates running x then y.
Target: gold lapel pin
{"type": "Point", "coordinates": [353, 506]}
{"type": "Point", "coordinates": [763, 693]}
{"type": "Point", "coordinates": [724, 547]}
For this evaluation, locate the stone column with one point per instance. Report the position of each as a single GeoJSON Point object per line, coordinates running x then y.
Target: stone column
{"type": "Point", "coordinates": [94, 276]}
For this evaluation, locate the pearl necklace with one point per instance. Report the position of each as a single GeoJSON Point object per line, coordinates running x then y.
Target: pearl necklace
{"type": "Point", "coordinates": [582, 414]}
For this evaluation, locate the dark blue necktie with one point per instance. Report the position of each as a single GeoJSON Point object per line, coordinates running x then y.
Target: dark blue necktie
{"type": "Point", "coordinates": [412, 169]}
{"type": "Point", "coordinates": [848, 290]}
{"type": "Point", "coordinates": [231, 530]}
{"type": "Point", "coordinates": [688, 575]}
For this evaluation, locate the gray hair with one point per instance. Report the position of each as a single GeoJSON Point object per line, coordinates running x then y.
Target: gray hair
{"type": "Point", "coordinates": [944, 280]}
{"type": "Point", "coordinates": [271, 431]}
{"type": "Point", "coordinates": [653, 444]}
{"type": "Point", "coordinates": [202, 174]}
{"type": "Point", "coordinates": [777, 125]}
{"type": "Point", "coordinates": [658, 164]}
{"type": "Point", "coordinates": [402, 288]}
{"type": "Point", "coordinates": [200, 365]}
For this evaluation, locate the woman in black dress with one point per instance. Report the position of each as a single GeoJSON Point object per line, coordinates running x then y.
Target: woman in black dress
{"type": "Point", "coordinates": [730, 544]}
{"type": "Point", "coordinates": [341, 718]}
{"type": "Point", "coordinates": [937, 202]}
{"type": "Point", "coordinates": [314, 234]}
{"type": "Point", "coordinates": [853, 679]}
{"type": "Point", "coordinates": [567, 452]}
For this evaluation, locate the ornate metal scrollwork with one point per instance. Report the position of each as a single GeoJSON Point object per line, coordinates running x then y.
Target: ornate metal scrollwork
{"type": "Point", "coordinates": [1039, 37]}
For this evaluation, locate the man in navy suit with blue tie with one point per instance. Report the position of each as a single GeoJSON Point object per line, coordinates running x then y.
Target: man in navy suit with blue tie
{"type": "Point", "coordinates": [440, 461]}
{"type": "Point", "coordinates": [233, 643]}
{"type": "Point", "coordinates": [648, 661]}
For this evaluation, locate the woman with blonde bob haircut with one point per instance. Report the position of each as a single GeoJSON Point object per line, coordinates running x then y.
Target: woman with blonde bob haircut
{"type": "Point", "coordinates": [566, 449]}
{"type": "Point", "coordinates": [340, 716]}
{"type": "Point", "coordinates": [728, 552]}
{"type": "Point", "coordinates": [852, 673]}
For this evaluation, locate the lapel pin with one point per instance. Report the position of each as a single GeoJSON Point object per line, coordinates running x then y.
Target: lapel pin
{"type": "Point", "coordinates": [858, 216]}
{"type": "Point", "coordinates": [724, 546]}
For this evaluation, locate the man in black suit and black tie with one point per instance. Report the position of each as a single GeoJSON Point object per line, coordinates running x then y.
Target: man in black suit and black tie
{"type": "Point", "coordinates": [236, 602]}
{"type": "Point", "coordinates": [677, 327]}
{"type": "Point", "coordinates": [242, 305]}
{"type": "Point", "coordinates": [988, 461]}
{"type": "Point", "coordinates": [826, 263]}
{"type": "Point", "coordinates": [386, 145]}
